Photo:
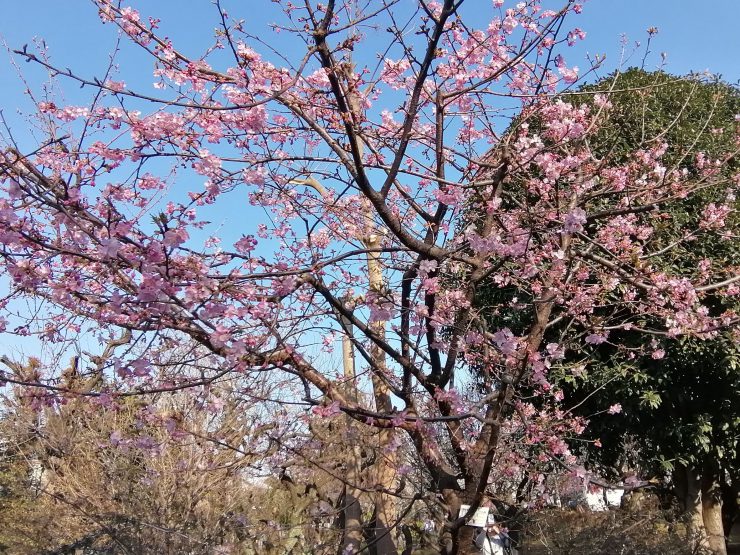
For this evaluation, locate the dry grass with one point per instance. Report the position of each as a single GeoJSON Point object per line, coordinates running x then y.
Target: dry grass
{"type": "Point", "coordinates": [618, 532]}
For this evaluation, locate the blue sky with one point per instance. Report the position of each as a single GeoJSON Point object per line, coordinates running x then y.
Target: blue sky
{"type": "Point", "coordinates": [695, 35]}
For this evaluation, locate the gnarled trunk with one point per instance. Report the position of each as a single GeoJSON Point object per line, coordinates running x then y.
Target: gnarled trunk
{"type": "Point", "coordinates": [350, 522]}
{"type": "Point", "coordinates": [385, 513]}
{"type": "Point", "coordinates": [692, 508]}
{"type": "Point", "coordinates": [461, 540]}
{"type": "Point", "coordinates": [701, 500]}
{"type": "Point", "coordinates": [711, 502]}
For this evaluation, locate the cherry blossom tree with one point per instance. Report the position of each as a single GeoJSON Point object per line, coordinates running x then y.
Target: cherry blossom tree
{"type": "Point", "coordinates": [691, 383]}
{"type": "Point", "coordinates": [351, 164]}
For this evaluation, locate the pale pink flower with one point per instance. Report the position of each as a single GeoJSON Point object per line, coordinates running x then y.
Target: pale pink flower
{"type": "Point", "coordinates": [595, 339]}
{"type": "Point", "coordinates": [327, 411]}
{"type": "Point", "coordinates": [574, 220]}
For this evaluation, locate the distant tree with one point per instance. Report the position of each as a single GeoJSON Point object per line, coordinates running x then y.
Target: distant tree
{"type": "Point", "coordinates": [170, 475]}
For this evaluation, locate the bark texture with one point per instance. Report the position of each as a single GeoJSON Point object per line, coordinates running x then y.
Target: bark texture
{"type": "Point", "coordinates": [711, 501]}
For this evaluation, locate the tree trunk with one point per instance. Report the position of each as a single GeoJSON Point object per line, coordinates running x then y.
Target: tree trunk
{"type": "Point", "coordinates": [350, 518]}
{"type": "Point", "coordinates": [350, 522]}
{"type": "Point", "coordinates": [688, 489]}
{"type": "Point", "coordinates": [466, 541]}
{"type": "Point", "coordinates": [462, 540]}
{"type": "Point", "coordinates": [711, 501]}
{"type": "Point", "coordinates": [730, 504]}
{"type": "Point", "coordinates": [380, 534]}
{"type": "Point", "coordinates": [382, 542]}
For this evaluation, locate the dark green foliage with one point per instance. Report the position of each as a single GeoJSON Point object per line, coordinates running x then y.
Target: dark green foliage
{"type": "Point", "coordinates": [691, 115]}
{"type": "Point", "coordinates": [684, 112]}
{"type": "Point", "coordinates": [682, 408]}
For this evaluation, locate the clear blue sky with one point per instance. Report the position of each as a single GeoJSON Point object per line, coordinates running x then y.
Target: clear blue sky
{"type": "Point", "coordinates": [695, 35]}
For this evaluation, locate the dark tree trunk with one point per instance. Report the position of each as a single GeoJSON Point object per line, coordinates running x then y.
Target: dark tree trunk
{"type": "Point", "coordinates": [379, 537]}
{"type": "Point", "coordinates": [730, 505]}
{"type": "Point", "coordinates": [688, 491]}
{"type": "Point", "coordinates": [462, 540]}
{"type": "Point", "coordinates": [466, 541]}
